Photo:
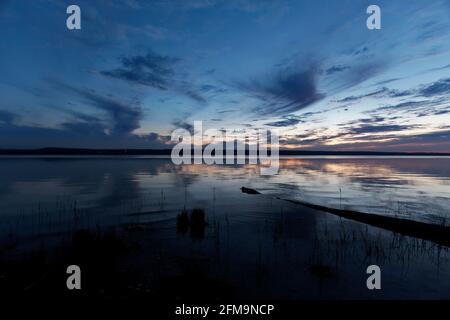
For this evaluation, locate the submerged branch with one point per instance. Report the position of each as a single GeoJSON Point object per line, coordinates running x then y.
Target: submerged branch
{"type": "Point", "coordinates": [439, 234]}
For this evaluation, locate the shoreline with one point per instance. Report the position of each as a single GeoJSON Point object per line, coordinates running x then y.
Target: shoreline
{"type": "Point", "coordinates": [53, 151]}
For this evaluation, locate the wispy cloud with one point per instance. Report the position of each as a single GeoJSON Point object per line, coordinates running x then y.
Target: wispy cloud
{"type": "Point", "coordinates": [286, 91]}
{"type": "Point", "coordinates": [153, 70]}
{"type": "Point", "coordinates": [359, 73]}
{"type": "Point", "coordinates": [286, 122]}
{"type": "Point", "coordinates": [123, 117]}
{"type": "Point", "coordinates": [437, 88]}
{"type": "Point", "coordinates": [7, 117]}
{"type": "Point", "coordinates": [183, 125]}
{"type": "Point", "coordinates": [336, 69]}
{"type": "Point", "coordinates": [379, 93]}
{"type": "Point", "coordinates": [378, 128]}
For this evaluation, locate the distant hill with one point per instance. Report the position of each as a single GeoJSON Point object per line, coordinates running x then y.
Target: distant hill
{"type": "Point", "coordinates": [122, 152]}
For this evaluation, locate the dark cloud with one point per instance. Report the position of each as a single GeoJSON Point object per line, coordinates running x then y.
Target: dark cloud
{"type": "Point", "coordinates": [379, 93]}
{"type": "Point", "coordinates": [371, 128]}
{"type": "Point", "coordinates": [125, 118]}
{"type": "Point", "coordinates": [183, 125]}
{"type": "Point", "coordinates": [297, 137]}
{"type": "Point", "coordinates": [360, 51]}
{"type": "Point", "coordinates": [419, 108]}
{"type": "Point", "coordinates": [155, 137]}
{"type": "Point", "coordinates": [375, 119]}
{"type": "Point", "coordinates": [195, 96]}
{"type": "Point", "coordinates": [439, 91]}
{"type": "Point", "coordinates": [384, 82]}
{"type": "Point", "coordinates": [292, 89]}
{"type": "Point", "coordinates": [429, 138]}
{"type": "Point", "coordinates": [407, 106]}
{"type": "Point", "coordinates": [288, 121]}
{"type": "Point", "coordinates": [373, 125]}
{"type": "Point", "coordinates": [379, 139]}
{"type": "Point", "coordinates": [287, 92]}
{"type": "Point", "coordinates": [367, 129]}
{"type": "Point", "coordinates": [291, 120]}
{"type": "Point", "coordinates": [439, 68]}
{"type": "Point", "coordinates": [342, 77]}
{"type": "Point", "coordinates": [210, 71]}
{"type": "Point", "coordinates": [336, 69]}
{"type": "Point", "coordinates": [439, 112]}
{"type": "Point", "coordinates": [87, 128]}
{"type": "Point", "coordinates": [82, 116]}
{"type": "Point", "coordinates": [152, 70]}
{"type": "Point", "coordinates": [226, 111]}
{"type": "Point", "coordinates": [438, 141]}
{"type": "Point", "coordinates": [212, 88]}
{"type": "Point", "coordinates": [310, 138]}
{"type": "Point", "coordinates": [207, 87]}
{"type": "Point", "coordinates": [360, 73]}
{"type": "Point", "coordinates": [75, 135]}
{"type": "Point", "coordinates": [431, 30]}
{"type": "Point", "coordinates": [155, 71]}
{"type": "Point", "coordinates": [399, 93]}
{"type": "Point", "coordinates": [440, 87]}
{"type": "Point", "coordinates": [7, 117]}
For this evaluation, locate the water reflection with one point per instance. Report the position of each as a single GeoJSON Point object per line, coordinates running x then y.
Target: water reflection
{"type": "Point", "coordinates": [415, 187]}
{"type": "Point", "coordinates": [193, 227]}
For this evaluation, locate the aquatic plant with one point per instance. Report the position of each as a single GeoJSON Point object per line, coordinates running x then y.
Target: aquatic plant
{"type": "Point", "coordinates": [183, 221]}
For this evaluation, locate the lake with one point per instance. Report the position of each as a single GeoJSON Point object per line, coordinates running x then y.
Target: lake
{"type": "Point", "coordinates": [417, 188]}
{"type": "Point", "coordinates": [251, 246]}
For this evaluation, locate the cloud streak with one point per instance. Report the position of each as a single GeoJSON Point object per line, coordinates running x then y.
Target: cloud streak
{"type": "Point", "coordinates": [7, 117]}
{"type": "Point", "coordinates": [286, 92]}
{"type": "Point", "coordinates": [124, 118]}
{"type": "Point", "coordinates": [153, 70]}
{"type": "Point", "coordinates": [287, 122]}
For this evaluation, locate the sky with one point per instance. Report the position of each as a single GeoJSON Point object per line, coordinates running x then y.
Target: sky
{"type": "Point", "coordinates": [137, 70]}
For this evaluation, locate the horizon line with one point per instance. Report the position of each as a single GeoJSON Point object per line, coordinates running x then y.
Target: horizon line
{"type": "Point", "coordinates": [147, 151]}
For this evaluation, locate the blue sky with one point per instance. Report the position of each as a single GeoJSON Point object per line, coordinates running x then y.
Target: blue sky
{"type": "Point", "coordinates": [139, 69]}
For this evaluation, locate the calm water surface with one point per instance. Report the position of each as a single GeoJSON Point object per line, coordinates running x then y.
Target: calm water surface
{"type": "Point", "coordinates": [258, 246]}
{"type": "Point", "coordinates": [416, 188]}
